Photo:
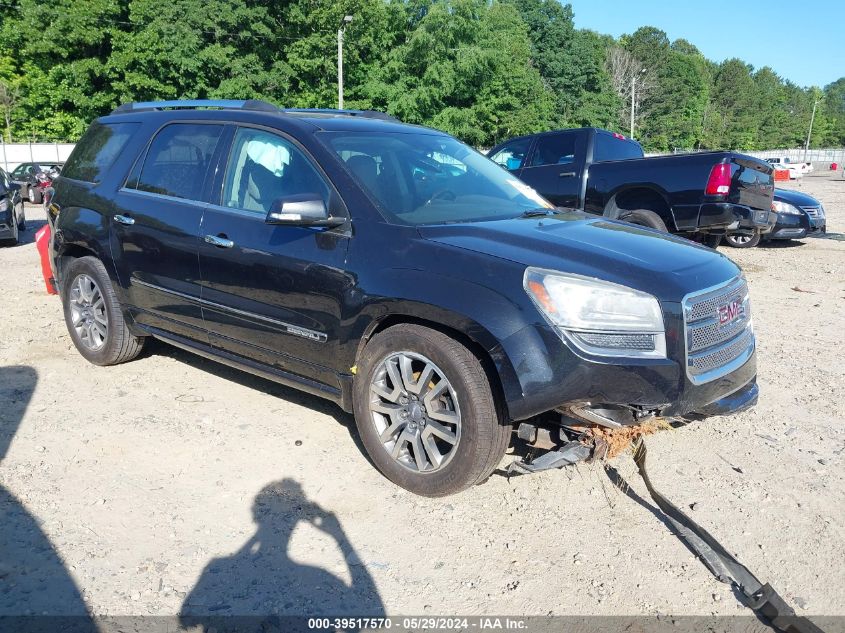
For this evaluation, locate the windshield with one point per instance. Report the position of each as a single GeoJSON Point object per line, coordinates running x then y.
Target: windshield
{"type": "Point", "coordinates": [431, 179]}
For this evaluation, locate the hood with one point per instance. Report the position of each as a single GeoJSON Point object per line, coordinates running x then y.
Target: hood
{"type": "Point", "coordinates": [665, 266]}
{"type": "Point", "coordinates": [796, 198]}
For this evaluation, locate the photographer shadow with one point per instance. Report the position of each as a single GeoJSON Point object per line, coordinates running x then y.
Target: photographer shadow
{"type": "Point", "coordinates": [37, 592]}
{"type": "Point", "coordinates": [259, 584]}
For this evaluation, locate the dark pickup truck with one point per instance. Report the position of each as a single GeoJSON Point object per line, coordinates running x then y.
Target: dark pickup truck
{"type": "Point", "coordinates": [702, 195]}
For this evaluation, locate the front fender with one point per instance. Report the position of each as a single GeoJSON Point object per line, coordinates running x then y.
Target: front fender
{"type": "Point", "coordinates": [477, 312]}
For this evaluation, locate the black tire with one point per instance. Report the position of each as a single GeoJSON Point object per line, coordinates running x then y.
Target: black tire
{"type": "Point", "coordinates": [485, 432]}
{"type": "Point", "coordinates": [34, 195]}
{"type": "Point", "coordinates": [740, 240]}
{"type": "Point", "coordinates": [14, 225]}
{"type": "Point", "coordinates": [22, 219]}
{"type": "Point", "coordinates": [712, 239]}
{"type": "Point", "coordinates": [643, 217]}
{"type": "Point", "coordinates": [120, 345]}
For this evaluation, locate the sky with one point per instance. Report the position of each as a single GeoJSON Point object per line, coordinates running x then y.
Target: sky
{"type": "Point", "coordinates": [801, 40]}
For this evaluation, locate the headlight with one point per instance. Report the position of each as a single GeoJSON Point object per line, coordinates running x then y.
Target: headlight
{"type": "Point", "coordinates": [785, 207]}
{"type": "Point", "coordinates": [599, 317]}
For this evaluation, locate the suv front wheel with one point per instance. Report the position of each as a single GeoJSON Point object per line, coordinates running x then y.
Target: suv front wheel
{"type": "Point", "coordinates": [426, 412]}
{"type": "Point", "coordinates": [93, 316]}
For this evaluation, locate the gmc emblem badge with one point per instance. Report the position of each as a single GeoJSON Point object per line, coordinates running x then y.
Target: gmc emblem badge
{"type": "Point", "coordinates": [729, 311]}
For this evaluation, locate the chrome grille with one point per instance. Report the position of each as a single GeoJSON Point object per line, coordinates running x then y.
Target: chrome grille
{"type": "Point", "coordinates": [722, 355]}
{"type": "Point", "coordinates": [813, 212]}
{"type": "Point", "coordinates": [714, 349]}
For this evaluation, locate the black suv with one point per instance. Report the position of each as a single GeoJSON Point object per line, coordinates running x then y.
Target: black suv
{"type": "Point", "coordinates": [393, 270]}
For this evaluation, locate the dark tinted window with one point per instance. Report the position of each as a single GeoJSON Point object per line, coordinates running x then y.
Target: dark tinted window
{"type": "Point", "coordinates": [512, 155]}
{"type": "Point", "coordinates": [608, 147]}
{"type": "Point", "coordinates": [177, 160]}
{"type": "Point", "coordinates": [555, 149]}
{"type": "Point", "coordinates": [97, 150]}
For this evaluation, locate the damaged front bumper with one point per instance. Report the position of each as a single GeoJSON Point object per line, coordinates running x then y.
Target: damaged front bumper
{"type": "Point", "coordinates": [554, 377]}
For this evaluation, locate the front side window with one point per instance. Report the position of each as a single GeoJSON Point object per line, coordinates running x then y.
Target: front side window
{"type": "Point", "coordinates": [264, 168]}
{"type": "Point", "coordinates": [417, 178]}
{"type": "Point", "coordinates": [97, 150]}
{"type": "Point", "coordinates": [177, 161]}
{"type": "Point", "coordinates": [512, 155]}
{"type": "Point", "coordinates": [554, 149]}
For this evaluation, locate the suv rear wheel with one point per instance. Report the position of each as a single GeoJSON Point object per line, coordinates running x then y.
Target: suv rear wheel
{"type": "Point", "coordinates": [93, 316]}
{"type": "Point", "coordinates": [426, 412]}
{"type": "Point", "coordinates": [14, 229]}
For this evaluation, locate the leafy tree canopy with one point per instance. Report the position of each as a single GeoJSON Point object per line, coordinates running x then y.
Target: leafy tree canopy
{"type": "Point", "coordinates": [480, 69]}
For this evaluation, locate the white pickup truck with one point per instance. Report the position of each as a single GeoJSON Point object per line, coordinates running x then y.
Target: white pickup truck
{"type": "Point", "coordinates": [796, 170]}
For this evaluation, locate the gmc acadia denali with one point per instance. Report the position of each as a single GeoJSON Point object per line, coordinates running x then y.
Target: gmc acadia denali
{"type": "Point", "coordinates": [393, 270]}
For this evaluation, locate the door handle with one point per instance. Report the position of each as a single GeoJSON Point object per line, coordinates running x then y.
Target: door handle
{"type": "Point", "coordinates": [567, 174]}
{"type": "Point", "coordinates": [219, 240]}
{"type": "Point", "coordinates": [124, 219]}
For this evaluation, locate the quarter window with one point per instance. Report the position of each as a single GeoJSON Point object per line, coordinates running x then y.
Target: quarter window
{"type": "Point", "coordinates": [97, 150]}
{"type": "Point", "coordinates": [177, 161]}
{"type": "Point", "coordinates": [264, 168]}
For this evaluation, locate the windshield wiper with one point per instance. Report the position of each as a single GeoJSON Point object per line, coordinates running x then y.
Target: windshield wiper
{"type": "Point", "coordinates": [536, 213]}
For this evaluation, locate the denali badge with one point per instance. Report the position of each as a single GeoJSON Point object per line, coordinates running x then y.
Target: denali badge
{"type": "Point", "coordinates": [730, 311]}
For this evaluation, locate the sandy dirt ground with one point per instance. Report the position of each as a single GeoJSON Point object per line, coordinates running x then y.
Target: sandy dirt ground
{"type": "Point", "coordinates": [172, 483]}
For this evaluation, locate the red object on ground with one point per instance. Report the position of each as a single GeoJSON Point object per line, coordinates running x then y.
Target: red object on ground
{"type": "Point", "coordinates": [781, 174]}
{"type": "Point", "coordinates": [834, 166]}
{"type": "Point", "coordinates": [42, 243]}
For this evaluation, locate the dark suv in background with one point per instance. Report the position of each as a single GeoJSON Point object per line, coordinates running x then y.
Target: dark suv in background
{"type": "Point", "coordinates": [393, 270]}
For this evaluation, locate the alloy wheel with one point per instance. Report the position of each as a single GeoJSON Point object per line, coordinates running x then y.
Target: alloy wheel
{"type": "Point", "coordinates": [415, 412]}
{"type": "Point", "coordinates": [88, 312]}
{"type": "Point", "coordinates": [740, 238]}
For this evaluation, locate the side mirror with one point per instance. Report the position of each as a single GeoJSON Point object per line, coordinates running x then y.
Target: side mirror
{"type": "Point", "coordinates": [513, 163]}
{"type": "Point", "coordinates": [307, 209]}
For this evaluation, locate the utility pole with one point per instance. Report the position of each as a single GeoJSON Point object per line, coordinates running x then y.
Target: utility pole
{"type": "Point", "coordinates": [810, 132]}
{"type": "Point", "coordinates": [634, 78]}
{"type": "Point", "coordinates": [346, 20]}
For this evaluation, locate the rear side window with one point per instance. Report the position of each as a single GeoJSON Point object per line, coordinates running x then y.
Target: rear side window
{"type": "Point", "coordinates": [608, 147]}
{"type": "Point", "coordinates": [177, 161]}
{"type": "Point", "coordinates": [555, 149]}
{"type": "Point", "coordinates": [97, 150]}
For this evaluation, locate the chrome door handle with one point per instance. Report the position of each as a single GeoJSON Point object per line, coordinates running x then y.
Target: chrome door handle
{"type": "Point", "coordinates": [567, 174]}
{"type": "Point", "coordinates": [124, 219]}
{"type": "Point", "coordinates": [216, 240]}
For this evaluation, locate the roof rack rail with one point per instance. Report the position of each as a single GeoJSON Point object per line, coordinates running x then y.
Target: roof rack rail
{"type": "Point", "coordinates": [225, 104]}
{"type": "Point", "coordinates": [367, 114]}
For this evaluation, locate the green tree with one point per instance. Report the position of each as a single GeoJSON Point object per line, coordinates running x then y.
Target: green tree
{"type": "Point", "coordinates": [834, 108]}
{"type": "Point", "coordinates": [465, 68]}
{"type": "Point", "coordinates": [62, 49]}
{"type": "Point", "coordinates": [196, 49]}
{"type": "Point", "coordinates": [567, 60]}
